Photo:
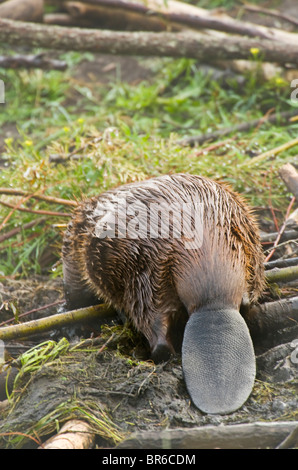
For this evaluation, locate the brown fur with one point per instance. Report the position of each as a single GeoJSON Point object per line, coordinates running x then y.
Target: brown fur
{"type": "Point", "coordinates": [156, 281]}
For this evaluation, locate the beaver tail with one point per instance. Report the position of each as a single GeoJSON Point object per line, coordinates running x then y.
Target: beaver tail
{"type": "Point", "coordinates": [218, 360]}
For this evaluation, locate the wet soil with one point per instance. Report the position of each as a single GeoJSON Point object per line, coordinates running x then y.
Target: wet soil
{"type": "Point", "coordinates": [116, 377]}
{"type": "Point", "coordinates": [117, 382]}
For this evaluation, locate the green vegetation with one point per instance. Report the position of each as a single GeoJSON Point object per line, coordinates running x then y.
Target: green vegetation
{"type": "Point", "coordinates": [106, 134]}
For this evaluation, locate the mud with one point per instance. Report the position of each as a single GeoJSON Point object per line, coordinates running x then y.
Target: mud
{"type": "Point", "coordinates": [116, 378]}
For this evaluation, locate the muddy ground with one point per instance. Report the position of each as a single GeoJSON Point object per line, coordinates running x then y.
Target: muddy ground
{"type": "Point", "coordinates": [119, 384]}
{"type": "Point", "coordinates": [114, 385]}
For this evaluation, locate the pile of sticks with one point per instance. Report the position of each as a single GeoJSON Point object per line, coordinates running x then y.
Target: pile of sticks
{"type": "Point", "coordinates": [145, 27]}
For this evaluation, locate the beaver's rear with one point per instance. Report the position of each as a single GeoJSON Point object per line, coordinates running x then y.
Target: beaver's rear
{"type": "Point", "coordinates": [171, 251]}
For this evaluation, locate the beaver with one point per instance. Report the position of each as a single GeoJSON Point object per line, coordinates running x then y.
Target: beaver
{"type": "Point", "coordinates": [178, 254]}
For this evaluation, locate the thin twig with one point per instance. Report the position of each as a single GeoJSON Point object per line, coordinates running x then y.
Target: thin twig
{"type": "Point", "coordinates": [282, 229]}
{"type": "Point", "coordinates": [14, 208]}
{"type": "Point", "coordinates": [33, 311]}
{"type": "Point", "coordinates": [22, 434]}
{"type": "Point", "coordinates": [275, 13]}
{"type": "Point", "coordinates": [34, 211]}
{"type": "Point", "coordinates": [51, 199]}
{"type": "Point", "coordinates": [271, 153]}
{"type": "Point", "coordinates": [17, 230]}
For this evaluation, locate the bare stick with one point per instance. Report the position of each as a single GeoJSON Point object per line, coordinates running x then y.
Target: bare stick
{"type": "Point", "coordinates": [280, 118]}
{"type": "Point", "coordinates": [194, 17]}
{"type": "Point", "coordinates": [32, 211]}
{"type": "Point", "coordinates": [271, 153]}
{"type": "Point", "coordinates": [272, 316]}
{"type": "Point", "coordinates": [203, 46]}
{"type": "Point", "coordinates": [60, 319]}
{"type": "Point", "coordinates": [31, 62]}
{"type": "Point", "coordinates": [282, 275]}
{"type": "Point", "coordinates": [275, 13]}
{"type": "Point", "coordinates": [17, 230]}
{"type": "Point", "coordinates": [54, 200]}
{"type": "Point", "coordinates": [282, 229]}
{"type": "Point", "coordinates": [237, 436]}
{"type": "Point", "coordinates": [34, 310]}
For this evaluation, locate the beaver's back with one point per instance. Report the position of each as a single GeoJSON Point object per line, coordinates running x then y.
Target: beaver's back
{"type": "Point", "coordinates": [112, 246]}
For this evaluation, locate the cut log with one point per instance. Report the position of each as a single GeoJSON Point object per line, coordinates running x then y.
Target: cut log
{"type": "Point", "coordinates": [273, 316]}
{"type": "Point", "coordinates": [202, 46]}
{"type": "Point", "coordinates": [24, 10]}
{"type": "Point", "coordinates": [289, 175]}
{"type": "Point", "coordinates": [75, 434]}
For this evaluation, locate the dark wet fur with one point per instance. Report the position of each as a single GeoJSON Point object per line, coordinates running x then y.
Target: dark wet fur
{"type": "Point", "coordinates": [157, 282]}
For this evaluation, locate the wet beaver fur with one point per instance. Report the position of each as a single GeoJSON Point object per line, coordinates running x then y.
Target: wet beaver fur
{"type": "Point", "coordinates": [163, 283]}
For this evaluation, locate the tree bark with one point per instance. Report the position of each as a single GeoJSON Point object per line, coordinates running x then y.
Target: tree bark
{"type": "Point", "coordinates": [289, 175]}
{"type": "Point", "coordinates": [120, 18]}
{"type": "Point", "coordinates": [195, 17]}
{"type": "Point", "coordinates": [282, 275]}
{"type": "Point", "coordinates": [270, 317]}
{"type": "Point", "coordinates": [208, 47]}
{"type": "Point", "coordinates": [25, 10]}
{"type": "Point", "coordinates": [257, 435]}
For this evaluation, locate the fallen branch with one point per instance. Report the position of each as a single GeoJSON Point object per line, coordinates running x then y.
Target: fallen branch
{"type": "Point", "coordinates": [271, 153]}
{"type": "Point", "coordinates": [40, 197]}
{"type": "Point", "coordinates": [272, 316]}
{"type": "Point", "coordinates": [23, 330]}
{"type": "Point", "coordinates": [259, 435]}
{"type": "Point", "coordinates": [287, 235]}
{"type": "Point", "coordinates": [31, 62]}
{"type": "Point", "coordinates": [113, 17]}
{"type": "Point", "coordinates": [269, 12]}
{"type": "Point", "coordinates": [75, 434]}
{"type": "Point", "coordinates": [104, 311]}
{"type": "Point", "coordinates": [36, 211]}
{"type": "Point", "coordinates": [280, 118]}
{"type": "Point", "coordinates": [289, 175]}
{"type": "Point", "coordinates": [34, 310]}
{"type": "Point", "coordinates": [202, 46]}
{"type": "Point", "coordinates": [282, 275]}
{"type": "Point", "coordinates": [25, 10]}
{"type": "Point", "coordinates": [282, 229]}
{"type": "Point", "coordinates": [17, 230]}
{"type": "Point", "coordinates": [291, 440]}
{"type": "Point", "coordinates": [193, 17]}
{"type": "Point", "coordinates": [14, 208]}
{"type": "Point", "coordinates": [281, 263]}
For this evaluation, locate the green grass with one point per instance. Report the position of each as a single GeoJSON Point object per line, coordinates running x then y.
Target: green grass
{"type": "Point", "coordinates": [140, 127]}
